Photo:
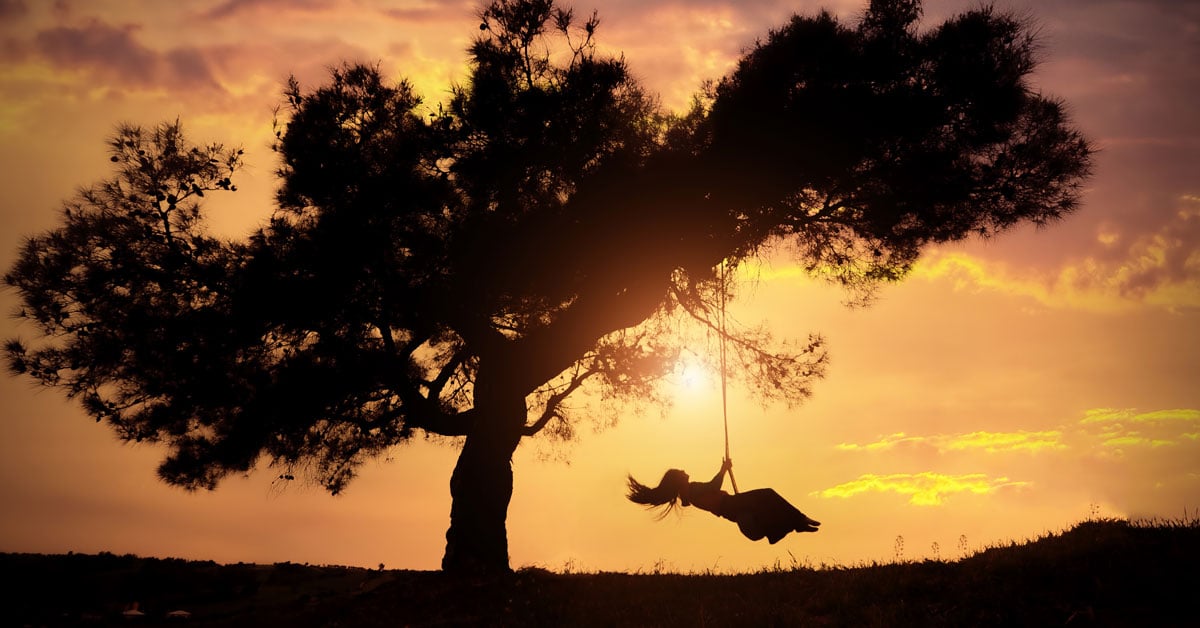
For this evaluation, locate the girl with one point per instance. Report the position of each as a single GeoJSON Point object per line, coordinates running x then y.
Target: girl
{"type": "Point", "coordinates": [759, 513]}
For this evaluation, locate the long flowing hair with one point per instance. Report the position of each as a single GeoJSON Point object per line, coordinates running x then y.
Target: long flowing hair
{"type": "Point", "coordinates": [665, 496]}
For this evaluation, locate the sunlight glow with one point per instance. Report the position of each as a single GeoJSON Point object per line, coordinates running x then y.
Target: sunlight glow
{"type": "Point", "coordinates": [694, 378]}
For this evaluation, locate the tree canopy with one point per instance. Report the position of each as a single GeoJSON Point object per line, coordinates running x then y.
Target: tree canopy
{"type": "Point", "coordinates": [462, 269]}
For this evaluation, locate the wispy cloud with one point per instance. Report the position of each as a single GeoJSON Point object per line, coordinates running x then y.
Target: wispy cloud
{"type": "Point", "coordinates": [231, 8]}
{"type": "Point", "coordinates": [1121, 448]}
{"type": "Point", "coordinates": [1127, 270]}
{"type": "Point", "coordinates": [923, 489]}
{"type": "Point", "coordinates": [1122, 268]}
{"type": "Point", "coordinates": [12, 8]}
{"type": "Point", "coordinates": [1111, 415]}
{"type": "Point", "coordinates": [115, 53]}
{"type": "Point", "coordinates": [1126, 432]}
{"type": "Point", "coordinates": [991, 442]}
{"type": "Point", "coordinates": [1099, 427]}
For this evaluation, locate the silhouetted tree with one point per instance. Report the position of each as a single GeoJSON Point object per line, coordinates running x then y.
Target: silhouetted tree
{"type": "Point", "coordinates": [461, 271]}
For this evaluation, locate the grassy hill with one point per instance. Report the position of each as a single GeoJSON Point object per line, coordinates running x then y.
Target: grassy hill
{"type": "Point", "coordinates": [1108, 573]}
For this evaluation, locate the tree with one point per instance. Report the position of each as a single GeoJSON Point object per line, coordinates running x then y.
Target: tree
{"type": "Point", "coordinates": [463, 270]}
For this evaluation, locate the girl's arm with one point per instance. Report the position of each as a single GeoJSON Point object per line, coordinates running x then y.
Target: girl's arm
{"type": "Point", "coordinates": [719, 479]}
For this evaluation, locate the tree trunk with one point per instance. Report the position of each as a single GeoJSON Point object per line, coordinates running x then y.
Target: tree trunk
{"type": "Point", "coordinates": [482, 483]}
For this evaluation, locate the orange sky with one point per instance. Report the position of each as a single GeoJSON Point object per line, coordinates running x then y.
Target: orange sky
{"type": "Point", "coordinates": [1006, 389]}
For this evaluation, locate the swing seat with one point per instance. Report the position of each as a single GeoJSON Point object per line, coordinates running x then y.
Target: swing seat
{"type": "Point", "coordinates": [763, 513]}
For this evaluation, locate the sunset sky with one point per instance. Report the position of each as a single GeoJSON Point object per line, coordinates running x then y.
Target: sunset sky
{"type": "Point", "coordinates": [1006, 389]}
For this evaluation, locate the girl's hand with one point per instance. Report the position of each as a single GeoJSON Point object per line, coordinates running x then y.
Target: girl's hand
{"type": "Point", "coordinates": [726, 464]}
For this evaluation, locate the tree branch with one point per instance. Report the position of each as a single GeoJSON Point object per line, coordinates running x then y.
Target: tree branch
{"type": "Point", "coordinates": [551, 409]}
{"type": "Point", "coordinates": [439, 382]}
{"type": "Point", "coordinates": [740, 342]}
{"type": "Point", "coordinates": [550, 350]}
{"type": "Point", "coordinates": [443, 423]}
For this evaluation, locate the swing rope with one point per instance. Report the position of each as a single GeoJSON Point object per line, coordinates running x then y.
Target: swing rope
{"type": "Point", "coordinates": [724, 383]}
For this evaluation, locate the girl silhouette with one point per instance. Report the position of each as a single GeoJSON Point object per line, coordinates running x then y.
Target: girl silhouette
{"type": "Point", "coordinates": [758, 513]}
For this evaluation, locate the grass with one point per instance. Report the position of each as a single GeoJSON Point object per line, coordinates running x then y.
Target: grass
{"type": "Point", "coordinates": [1098, 573]}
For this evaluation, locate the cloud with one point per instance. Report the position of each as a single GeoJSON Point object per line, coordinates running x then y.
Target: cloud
{"type": "Point", "coordinates": [11, 9]}
{"type": "Point", "coordinates": [1125, 73]}
{"type": "Point", "coordinates": [1110, 415]}
{"type": "Point", "coordinates": [232, 8]}
{"type": "Point", "coordinates": [418, 12]}
{"type": "Point", "coordinates": [419, 15]}
{"type": "Point", "coordinates": [1098, 428]}
{"type": "Point", "coordinates": [673, 49]}
{"type": "Point", "coordinates": [1143, 462]}
{"type": "Point", "coordinates": [1134, 439]}
{"type": "Point", "coordinates": [924, 489]}
{"type": "Point", "coordinates": [1128, 432]}
{"type": "Point", "coordinates": [675, 45]}
{"type": "Point", "coordinates": [271, 62]}
{"type": "Point", "coordinates": [116, 54]}
{"type": "Point", "coordinates": [1158, 269]}
{"type": "Point", "coordinates": [990, 442]}
{"type": "Point", "coordinates": [463, 11]}
{"type": "Point", "coordinates": [1146, 260]}
{"type": "Point", "coordinates": [1112, 54]}
{"type": "Point", "coordinates": [1148, 463]}
{"type": "Point", "coordinates": [97, 46]}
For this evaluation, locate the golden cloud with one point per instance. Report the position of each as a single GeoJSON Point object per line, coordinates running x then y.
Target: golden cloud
{"type": "Point", "coordinates": [1105, 427]}
{"type": "Point", "coordinates": [1086, 285]}
{"type": "Point", "coordinates": [993, 442]}
{"type": "Point", "coordinates": [924, 489]}
{"type": "Point", "coordinates": [1149, 277]}
{"type": "Point", "coordinates": [1159, 268]}
{"type": "Point", "coordinates": [1109, 415]}
{"type": "Point", "coordinates": [886, 442]}
{"type": "Point", "coordinates": [990, 442]}
{"type": "Point", "coordinates": [1121, 429]}
{"type": "Point", "coordinates": [1136, 440]}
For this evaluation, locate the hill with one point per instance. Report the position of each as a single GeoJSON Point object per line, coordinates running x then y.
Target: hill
{"type": "Point", "coordinates": [1110, 573]}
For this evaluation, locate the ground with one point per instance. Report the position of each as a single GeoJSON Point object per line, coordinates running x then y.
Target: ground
{"type": "Point", "coordinates": [1097, 573]}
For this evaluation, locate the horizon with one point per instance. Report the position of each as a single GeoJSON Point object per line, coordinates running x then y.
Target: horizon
{"type": "Point", "coordinates": [1005, 387]}
{"type": "Point", "coordinates": [1185, 521]}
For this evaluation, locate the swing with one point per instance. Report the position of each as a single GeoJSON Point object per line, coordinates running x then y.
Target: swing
{"type": "Point", "coordinates": [759, 513]}
{"type": "Point", "coordinates": [724, 384]}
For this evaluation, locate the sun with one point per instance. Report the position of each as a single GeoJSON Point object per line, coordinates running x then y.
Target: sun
{"type": "Point", "coordinates": [694, 379]}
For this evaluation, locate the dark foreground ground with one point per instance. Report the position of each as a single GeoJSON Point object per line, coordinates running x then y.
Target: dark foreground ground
{"type": "Point", "coordinates": [1100, 573]}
